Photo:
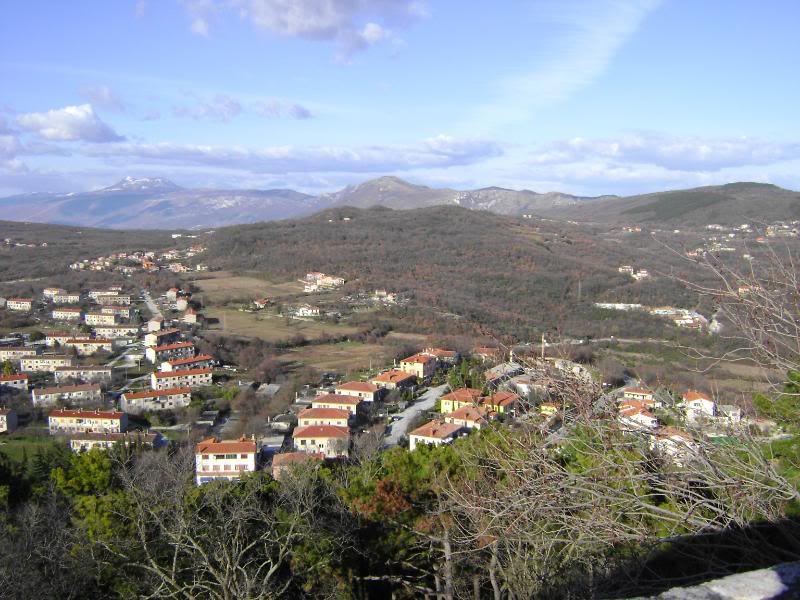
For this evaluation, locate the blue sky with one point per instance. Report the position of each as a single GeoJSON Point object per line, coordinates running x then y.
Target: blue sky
{"type": "Point", "coordinates": [582, 96]}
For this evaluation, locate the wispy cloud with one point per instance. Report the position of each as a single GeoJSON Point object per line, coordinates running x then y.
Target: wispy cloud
{"type": "Point", "coordinates": [221, 107]}
{"type": "Point", "coordinates": [70, 123]}
{"type": "Point", "coordinates": [669, 152]}
{"type": "Point", "coordinates": [438, 152]}
{"type": "Point", "coordinates": [575, 42]}
{"type": "Point", "coordinates": [282, 109]}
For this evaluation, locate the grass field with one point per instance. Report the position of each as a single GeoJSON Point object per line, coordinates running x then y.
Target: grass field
{"type": "Point", "coordinates": [223, 287]}
{"type": "Point", "coordinates": [14, 445]}
{"type": "Point", "coordinates": [272, 327]}
{"type": "Point", "coordinates": [345, 357]}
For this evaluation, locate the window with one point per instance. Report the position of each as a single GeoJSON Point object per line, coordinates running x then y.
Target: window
{"type": "Point", "coordinates": [205, 456]}
{"type": "Point", "coordinates": [230, 457]}
{"type": "Point", "coordinates": [244, 456]}
{"type": "Point", "coordinates": [219, 457]}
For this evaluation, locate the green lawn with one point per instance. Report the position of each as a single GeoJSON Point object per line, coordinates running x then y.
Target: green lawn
{"type": "Point", "coordinates": [14, 445]}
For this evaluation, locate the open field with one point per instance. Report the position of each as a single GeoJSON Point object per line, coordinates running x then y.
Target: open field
{"type": "Point", "coordinates": [344, 357]}
{"type": "Point", "coordinates": [14, 445]}
{"type": "Point", "coordinates": [271, 327]}
{"type": "Point", "coordinates": [222, 287]}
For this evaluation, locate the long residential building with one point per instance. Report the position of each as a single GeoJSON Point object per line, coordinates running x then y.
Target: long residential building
{"type": "Point", "coordinates": [123, 312]}
{"type": "Point", "coordinates": [201, 361]}
{"type": "Point", "coordinates": [57, 338]}
{"type": "Point", "coordinates": [163, 380]}
{"type": "Point", "coordinates": [18, 381]}
{"type": "Point", "coordinates": [215, 459]}
{"type": "Point", "coordinates": [116, 331]}
{"type": "Point", "coordinates": [156, 354]}
{"type": "Point", "coordinates": [83, 442]}
{"type": "Point", "coordinates": [98, 318]}
{"type": "Point", "coordinates": [45, 363]}
{"type": "Point", "coordinates": [359, 389]}
{"type": "Point", "coordinates": [154, 400]}
{"type": "Point", "coordinates": [83, 421]}
{"type": "Point", "coordinates": [87, 374]}
{"type": "Point", "coordinates": [88, 346]}
{"type": "Point", "coordinates": [86, 392]}
{"type": "Point", "coordinates": [349, 403]}
{"type": "Point", "coordinates": [20, 304]}
{"type": "Point", "coordinates": [17, 352]}
{"type": "Point", "coordinates": [324, 416]}
{"type": "Point", "coordinates": [66, 298]}
{"type": "Point", "coordinates": [67, 314]}
{"type": "Point", "coordinates": [107, 300]}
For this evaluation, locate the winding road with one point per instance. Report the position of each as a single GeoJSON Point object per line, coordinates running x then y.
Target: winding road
{"type": "Point", "coordinates": [426, 402]}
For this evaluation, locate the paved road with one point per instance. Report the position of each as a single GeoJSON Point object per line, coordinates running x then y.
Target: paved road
{"type": "Point", "coordinates": [154, 310]}
{"type": "Point", "coordinates": [426, 402]}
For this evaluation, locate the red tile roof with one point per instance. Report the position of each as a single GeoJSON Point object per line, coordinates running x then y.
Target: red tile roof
{"type": "Point", "coordinates": [463, 395]}
{"type": "Point", "coordinates": [289, 458]}
{"type": "Point", "coordinates": [321, 431]}
{"type": "Point", "coordinates": [437, 429]}
{"type": "Point", "coordinates": [418, 359]}
{"type": "Point", "coordinates": [502, 398]}
{"type": "Point", "coordinates": [215, 446]}
{"type": "Point", "coordinates": [636, 390]}
{"type": "Point", "coordinates": [65, 389]}
{"type": "Point", "coordinates": [190, 360]}
{"type": "Point", "coordinates": [476, 414]}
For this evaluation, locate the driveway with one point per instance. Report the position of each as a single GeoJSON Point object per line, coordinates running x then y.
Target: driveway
{"type": "Point", "coordinates": [426, 402]}
{"type": "Point", "coordinates": [154, 310]}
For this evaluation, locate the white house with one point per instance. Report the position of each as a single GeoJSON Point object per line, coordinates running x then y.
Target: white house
{"type": "Point", "coordinates": [202, 361]}
{"type": "Point", "coordinates": [85, 373]}
{"type": "Point", "coordinates": [67, 314]}
{"type": "Point", "coordinates": [86, 392]}
{"type": "Point", "coordinates": [75, 421]}
{"type": "Point", "coordinates": [215, 459]}
{"type": "Point", "coordinates": [20, 304]}
{"type": "Point", "coordinates": [358, 389]}
{"type": "Point", "coordinates": [324, 416]}
{"type": "Point", "coordinates": [698, 405]}
{"type": "Point", "coordinates": [330, 440]}
{"type": "Point", "coordinates": [154, 400]}
{"type": "Point", "coordinates": [164, 380]}
{"type": "Point", "coordinates": [156, 354]}
{"type": "Point", "coordinates": [45, 363]}
{"type": "Point", "coordinates": [98, 318]}
{"type": "Point", "coordinates": [349, 403]}
{"type": "Point", "coordinates": [18, 381]}
{"type": "Point", "coordinates": [434, 433]}
{"type": "Point", "coordinates": [8, 420]}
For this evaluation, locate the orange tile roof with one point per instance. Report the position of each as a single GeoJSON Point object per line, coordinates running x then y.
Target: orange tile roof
{"type": "Point", "coordinates": [358, 386]}
{"type": "Point", "coordinates": [502, 398]}
{"type": "Point", "coordinates": [463, 395]}
{"type": "Point", "coordinates": [324, 413]}
{"type": "Point", "coordinates": [215, 446]}
{"type": "Point", "coordinates": [321, 431]}
{"type": "Point", "coordinates": [63, 389]}
{"type": "Point", "coordinates": [13, 377]}
{"type": "Point", "coordinates": [191, 359]}
{"type": "Point", "coordinates": [156, 393]}
{"type": "Point", "coordinates": [437, 429]}
{"type": "Point", "coordinates": [476, 414]}
{"type": "Point", "coordinates": [636, 390]}
{"type": "Point", "coordinates": [418, 358]}
{"type": "Point", "coordinates": [337, 399]}
{"type": "Point", "coordinates": [393, 376]}
{"type": "Point", "coordinates": [86, 414]}
{"type": "Point", "coordinates": [695, 395]}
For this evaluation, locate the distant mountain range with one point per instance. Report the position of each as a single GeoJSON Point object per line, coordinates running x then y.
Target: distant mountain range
{"type": "Point", "coordinates": [156, 203]}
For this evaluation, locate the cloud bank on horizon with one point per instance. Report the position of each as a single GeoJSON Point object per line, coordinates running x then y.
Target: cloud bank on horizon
{"type": "Point", "coordinates": [582, 96]}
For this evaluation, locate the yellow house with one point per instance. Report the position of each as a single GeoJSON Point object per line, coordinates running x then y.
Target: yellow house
{"type": "Point", "coordinates": [458, 398]}
{"type": "Point", "coordinates": [421, 365]}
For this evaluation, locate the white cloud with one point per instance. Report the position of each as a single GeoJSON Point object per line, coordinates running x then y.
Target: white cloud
{"type": "Point", "coordinates": [69, 124]}
{"type": "Point", "coordinates": [439, 152]}
{"type": "Point", "coordinates": [352, 24]}
{"type": "Point", "coordinates": [220, 108]}
{"type": "Point", "coordinates": [575, 43]}
{"type": "Point", "coordinates": [103, 96]}
{"type": "Point", "coordinates": [670, 152]}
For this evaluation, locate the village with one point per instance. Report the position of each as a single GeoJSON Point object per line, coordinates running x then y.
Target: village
{"type": "Point", "coordinates": [108, 366]}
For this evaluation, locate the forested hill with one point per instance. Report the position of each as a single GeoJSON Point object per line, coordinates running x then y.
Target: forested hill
{"type": "Point", "coordinates": [730, 204]}
{"type": "Point", "coordinates": [511, 276]}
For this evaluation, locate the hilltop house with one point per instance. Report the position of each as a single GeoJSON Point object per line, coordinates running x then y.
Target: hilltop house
{"type": "Point", "coordinates": [469, 417]}
{"type": "Point", "coordinates": [635, 415]}
{"type": "Point", "coordinates": [394, 379]}
{"type": "Point", "coordinates": [156, 354]}
{"type": "Point", "coordinates": [442, 356]}
{"type": "Point", "coordinates": [339, 417]}
{"type": "Point", "coordinates": [349, 403]}
{"type": "Point", "coordinates": [67, 314]}
{"type": "Point", "coordinates": [202, 361]}
{"type": "Point", "coordinates": [66, 298]}
{"type": "Point", "coordinates": [638, 393]}
{"type": "Point", "coordinates": [215, 459]}
{"type": "Point", "coordinates": [698, 405]}
{"type": "Point", "coordinates": [20, 304]}
{"type": "Point", "coordinates": [162, 337]}
{"type": "Point", "coordinates": [458, 398]}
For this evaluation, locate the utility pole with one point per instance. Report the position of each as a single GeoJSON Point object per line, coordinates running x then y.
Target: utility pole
{"type": "Point", "coordinates": [543, 342]}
